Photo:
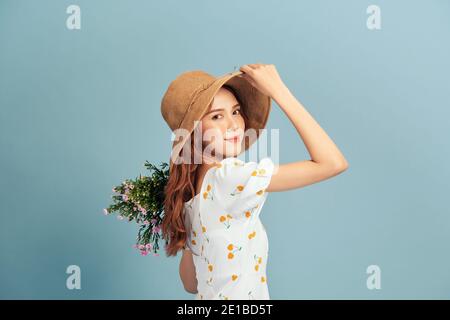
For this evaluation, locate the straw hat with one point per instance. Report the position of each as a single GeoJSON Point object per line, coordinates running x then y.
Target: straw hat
{"type": "Point", "coordinates": [188, 97]}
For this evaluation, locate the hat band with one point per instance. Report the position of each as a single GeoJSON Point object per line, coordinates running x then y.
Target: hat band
{"type": "Point", "coordinates": [197, 91]}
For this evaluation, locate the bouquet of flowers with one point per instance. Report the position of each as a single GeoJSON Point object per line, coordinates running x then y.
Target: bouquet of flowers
{"type": "Point", "coordinates": [142, 200]}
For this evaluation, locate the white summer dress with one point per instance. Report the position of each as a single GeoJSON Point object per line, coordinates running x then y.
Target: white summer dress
{"type": "Point", "coordinates": [227, 239]}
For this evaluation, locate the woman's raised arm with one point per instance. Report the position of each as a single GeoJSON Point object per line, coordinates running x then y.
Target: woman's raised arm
{"type": "Point", "coordinates": [326, 159]}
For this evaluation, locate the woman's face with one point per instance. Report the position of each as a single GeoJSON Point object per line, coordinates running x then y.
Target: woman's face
{"type": "Point", "coordinates": [223, 126]}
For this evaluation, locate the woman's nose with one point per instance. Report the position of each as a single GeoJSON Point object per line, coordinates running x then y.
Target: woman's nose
{"type": "Point", "coordinates": [232, 124]}
{"type": "Point", "coordinates": [232, 127]}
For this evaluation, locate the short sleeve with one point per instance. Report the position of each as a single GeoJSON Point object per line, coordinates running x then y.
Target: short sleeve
{"type": "Point", "coordinates": [239, 185]}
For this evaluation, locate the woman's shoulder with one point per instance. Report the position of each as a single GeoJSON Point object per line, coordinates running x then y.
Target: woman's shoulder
{"type": "Point", "coordinates": [236, 182]}
{"type": "Point", "coordinates": [233, 167]}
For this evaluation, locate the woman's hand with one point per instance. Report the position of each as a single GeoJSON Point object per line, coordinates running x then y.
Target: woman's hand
{"type": "Point", "coordinates": [263, 77]}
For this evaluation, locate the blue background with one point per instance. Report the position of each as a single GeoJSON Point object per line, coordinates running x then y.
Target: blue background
{"type": "Point", "coordinates": [80, 112]}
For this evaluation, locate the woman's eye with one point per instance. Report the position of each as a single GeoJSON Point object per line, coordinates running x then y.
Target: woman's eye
{"type": "Point", "coordinates": [237, 111]}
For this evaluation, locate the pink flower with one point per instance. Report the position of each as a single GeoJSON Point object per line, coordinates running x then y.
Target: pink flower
{"type": "Point", "coordinates": [153, 221]}
{"type": "Point", "coordinates": [125, 197]}
{"type": "Point", "coordinates": [144, 212]}
{"type": "Point", "coordinates": [144, 252]}
{"type": "Point", "coordinates": [156, 229]}
{"type": "Point", "coordinates": [141, 246]}
{"type": "Point", "coordinates": [156, 254]}
{"type": "Point", "coordinates": [148, 246]}
{"type": "Point", "coordinates": [105, 211]}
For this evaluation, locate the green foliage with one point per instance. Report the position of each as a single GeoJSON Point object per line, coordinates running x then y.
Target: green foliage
{"type": "Point", "coordinates": [142, 200]}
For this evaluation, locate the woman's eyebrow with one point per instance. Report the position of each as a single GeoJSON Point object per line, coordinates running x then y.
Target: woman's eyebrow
{"type": "Point", "coordinates": [221, 109]}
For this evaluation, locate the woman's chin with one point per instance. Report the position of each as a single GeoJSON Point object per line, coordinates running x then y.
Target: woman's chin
{"type": "Point", "coordinates": [232, 151]}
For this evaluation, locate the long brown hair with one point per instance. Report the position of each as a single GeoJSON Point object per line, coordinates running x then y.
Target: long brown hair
{"type": "Point", "coordinates": [179, 189]}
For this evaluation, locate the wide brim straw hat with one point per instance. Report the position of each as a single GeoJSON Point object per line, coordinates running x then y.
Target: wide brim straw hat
{"type": "Point", "coordinates": [189, 96]}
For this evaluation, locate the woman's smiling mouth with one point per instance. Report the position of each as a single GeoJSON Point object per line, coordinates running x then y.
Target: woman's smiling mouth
{"type": "Point", "coordinates": [233, 140]}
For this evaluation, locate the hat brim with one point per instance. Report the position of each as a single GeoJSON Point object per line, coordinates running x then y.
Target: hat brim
{"type": "Point", "coordinates": [256, 106]}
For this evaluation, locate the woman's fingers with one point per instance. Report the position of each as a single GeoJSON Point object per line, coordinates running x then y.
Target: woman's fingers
{"type": "Point", "coordinates": [256, 65]}
{"type": "Point", "coordinates": [258, 76]}
{"type": "Point", "coordinates": [248, 74]}
{"type": "Point", "coordinates": [264, 77]}
{"type": "Point", "coordinates": [246, 68]}
{"type": "Point", "coordinates": [249, 79]}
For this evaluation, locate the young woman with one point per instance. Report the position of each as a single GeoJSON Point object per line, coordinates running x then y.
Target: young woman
{"type": "Point", "coordinates": [212, 206]}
